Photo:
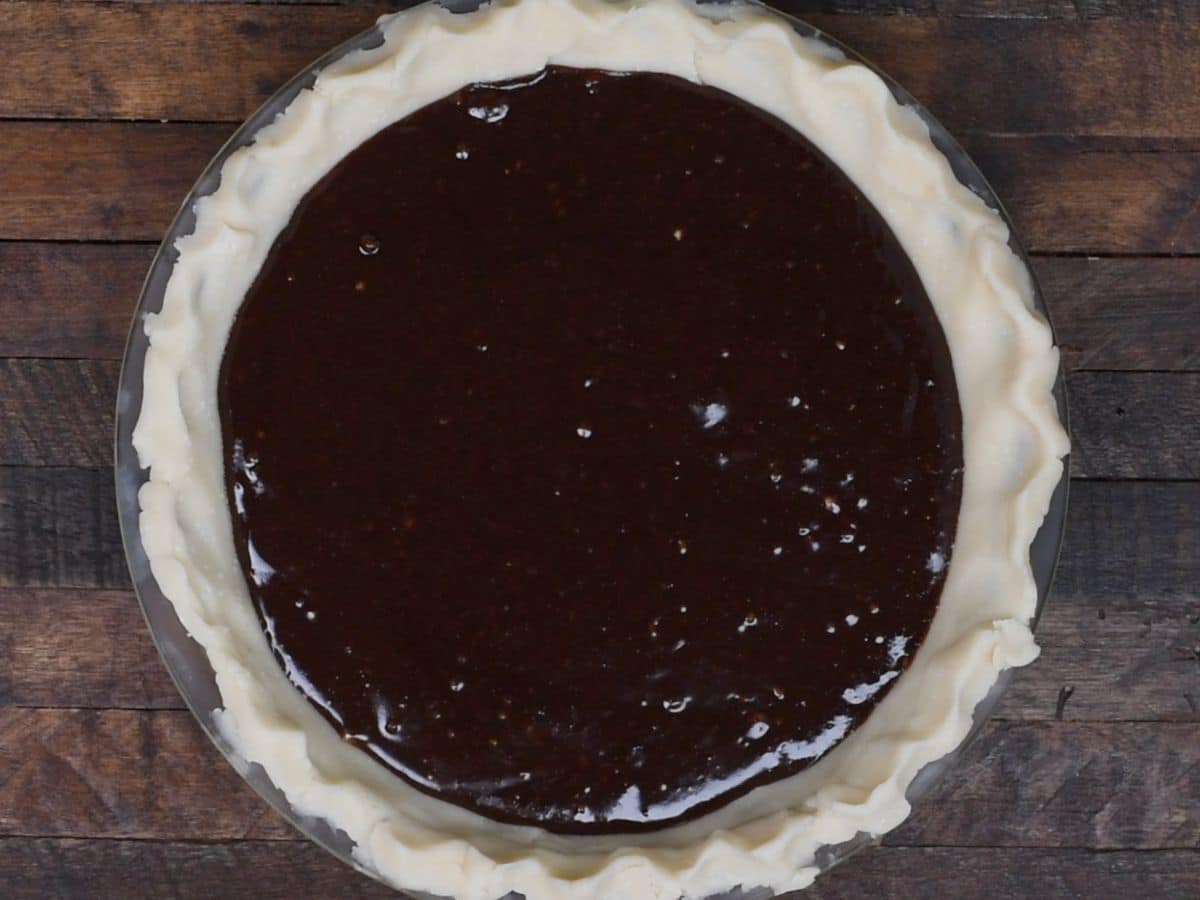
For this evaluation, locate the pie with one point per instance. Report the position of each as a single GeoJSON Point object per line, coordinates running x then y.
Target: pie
{"type": "Point", "coordinates": [598, 447]}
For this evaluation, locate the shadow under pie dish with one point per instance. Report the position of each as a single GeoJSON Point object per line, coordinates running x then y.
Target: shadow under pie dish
{"type": "Point", "coordinates": [598, 448]}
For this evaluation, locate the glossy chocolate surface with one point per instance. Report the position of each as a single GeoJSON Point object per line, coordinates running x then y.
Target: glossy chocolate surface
{"type": "Point", "coordinates": [593, 451]}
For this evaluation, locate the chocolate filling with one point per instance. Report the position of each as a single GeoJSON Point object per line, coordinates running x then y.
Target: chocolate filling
{"type": "Point", "coordinates": [592, 450]}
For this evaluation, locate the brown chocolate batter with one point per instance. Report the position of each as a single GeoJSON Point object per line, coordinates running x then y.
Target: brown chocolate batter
{"type": "Point", "coordinates": [593, 451]}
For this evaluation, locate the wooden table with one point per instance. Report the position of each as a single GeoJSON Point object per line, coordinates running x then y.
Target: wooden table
{"type": "Point", "coordinates": [1085, 113]}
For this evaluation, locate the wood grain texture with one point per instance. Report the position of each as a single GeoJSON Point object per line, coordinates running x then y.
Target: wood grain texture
{"type": "Point", "coordinates": [149, 61]}
{"type": "Point", "coordinates": [1095, 195]}
{"type": "Point", "coordinates": [67, 869]}
{"type": "Point", "coordinates": [1121, 637]}
{"type": "Point", "coordinates": [1124, 785]}
{"type": "Point", "coordinates": [153, 775]}
{"type": "Point", "coordinates": [894, 872]}
{"type": "Point", "coordinates": [1124, 313]}
{"type": "Point", "coordinates": [1131, 545]}
{"type": "Point", "coordinates": [88, 649]}
{"type": "Point", "coordinates": [112, 181]}
{"type": "Point", "coordinates": [69, 300]}
{"type": "Point", "coordinates": [138, 61]}
{"type": "Point", "coordinates": [60, 412]}
{"type": "Point", "coordinates": [1072, 10]}
{"type": "Point", "coordinates": [71, 869]}
{"type": "Point", "coordinates": [1121, 629]}
{"type": "Point", "coordinates": [1135, 425]}
{"type": "Point", "coordinates": [1121, 632]}
{"type": "Point", "coordinates": [59, 527]}
{"type": "Point", "coordinates": [1107, 657]}
{"type": "Point", "coordinates": [1094, 78]}
{"type": "Point", "coordinates": [122, 773]}
{"type": "Point", "coordinates": [98, 180]}
{"type": "Point", "coordinates": [58, 869]}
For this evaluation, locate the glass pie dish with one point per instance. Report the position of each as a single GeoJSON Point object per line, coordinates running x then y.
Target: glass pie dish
{"type": "Point", "coordinates": [186, 660]}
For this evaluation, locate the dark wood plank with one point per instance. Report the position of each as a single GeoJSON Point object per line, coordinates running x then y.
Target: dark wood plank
{"type": "Point", "coordinates": [1149, 653]}
{"type": "Point", "coordinates": [69, 300]}
{"type": "Point", "coordinates": [1121, 629]}
{"type": "Point", "coordinates": [1135, 425]}
{"type": "Point", "coordinates": [71, 869]}
{"type": "Point", "coordinates": [1137, 10]}
{"type": "Point", "coordinates": [79, 648]}
{"type": "Point", "coordinates": [59, 527]}
{"type": "Point", "coordinates": [1130, 544]}
{"type": "Point", "coordinates": [895, 873]}
{"type": "Point", "coordinates": [98, 181]}
{"type": "Point", "coordinates": [212, 62]}
{"type": "Point", "coordinates": [60, 412]}
{"type": "Point", "coordinates": [113, 181]}
{"type": "Point", "coordinates": [142, 774]}
{"type": "Point", "coordinates": [122, 773]}
{"type": "Point", "coordinates": [1096, 196]}
{"type": "Point", "coordinates": [1112, 786]}
{"type": "Point", "coordinates": [140, 61]}
{"type": "Point", "coordinates": [1075, 78]}
{"type": "Point", "coordinates": [1124, 313]}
